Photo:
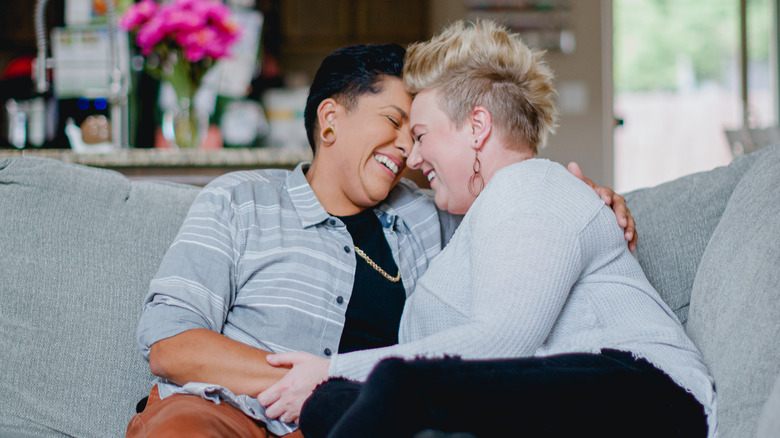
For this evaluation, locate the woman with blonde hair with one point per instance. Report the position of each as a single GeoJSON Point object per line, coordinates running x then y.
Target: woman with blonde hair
{"type": "Point", "coordinates": [555, 327]}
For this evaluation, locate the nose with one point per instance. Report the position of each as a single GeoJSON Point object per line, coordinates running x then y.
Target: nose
{"type": "Point", "coordinates": [404, 143]}
{"type": "Point", "coordinates": [415, 159]}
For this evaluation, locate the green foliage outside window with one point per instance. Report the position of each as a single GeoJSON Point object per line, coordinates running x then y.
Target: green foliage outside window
{"type": "Point", "coordinates": [653, 37]}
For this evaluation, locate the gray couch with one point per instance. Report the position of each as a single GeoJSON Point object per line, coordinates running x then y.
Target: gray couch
{"type": "Point", "coordinates": [79, 245]}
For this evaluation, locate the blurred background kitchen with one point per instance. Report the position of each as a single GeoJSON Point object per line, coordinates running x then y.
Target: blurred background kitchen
{"type": "Point", "coordinates": [649, 90]}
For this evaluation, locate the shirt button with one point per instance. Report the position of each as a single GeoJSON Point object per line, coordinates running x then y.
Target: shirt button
{"type": "Point", "coordinates": [327, 352]}
{"type": "Point", "coordinates": [332, 222]}
{"type": "Point", "coordinates": [339, 300]}
{"type": "Point", "coordinates": [346, 249]}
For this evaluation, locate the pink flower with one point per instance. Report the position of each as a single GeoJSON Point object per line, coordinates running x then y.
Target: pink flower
{"type": "Point", "coordinates": [186, 35]}
{"type": "Point", "coordinates": [215, 12]}
{"type": "Point", "coordinates": [229, 30]}
{"type": "Point", "coordinates": [183, 20]}
{"type": "Point", "coordinates": [150, 34]}
{"type": "Point", "coordinates": [218, 48]}
{"type": "Point", "coordinates": [194, 43]}
{"type": "Point", "coordinates": [138, 14]}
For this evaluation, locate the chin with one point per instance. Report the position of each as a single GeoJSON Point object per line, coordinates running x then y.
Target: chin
{"type": "Point", "coordinates": [377, 195]}
{"type": "Point", "coordinates": [443, 204]}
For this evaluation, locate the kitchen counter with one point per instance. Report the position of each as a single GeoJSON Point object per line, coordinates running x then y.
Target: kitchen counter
{"type": "Point", "coordinates": [196, 166]}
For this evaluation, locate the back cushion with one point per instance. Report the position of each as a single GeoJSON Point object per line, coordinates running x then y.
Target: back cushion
{"type": "Point", "coordinates": [675, 221]}
{"type": "Point", "coordinates": [769, 424]}
{"type": "Point", "coordinates": [79, 246]}
{"type": "Point", "coordinates": [735, 303]}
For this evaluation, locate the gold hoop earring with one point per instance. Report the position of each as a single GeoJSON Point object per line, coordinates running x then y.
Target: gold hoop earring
{"type": "Point", "coordinates": [476, 179]}
{"type": "Point", "coordinates": [328, 132]}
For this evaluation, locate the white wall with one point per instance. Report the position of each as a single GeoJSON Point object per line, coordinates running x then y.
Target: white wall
{"type": "Point", "coordinates": [584, 83]}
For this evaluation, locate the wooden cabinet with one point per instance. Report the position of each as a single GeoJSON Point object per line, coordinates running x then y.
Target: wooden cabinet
{"type": "Point", "coordinates": [311, 30]}
{"type": "Point", "coordinates": [400, 21]}
{"type": "Point", "coordinates": [315, 26]}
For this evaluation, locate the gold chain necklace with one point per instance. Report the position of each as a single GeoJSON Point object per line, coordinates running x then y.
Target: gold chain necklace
{"type": "Point", "coordinates": [376, 267]}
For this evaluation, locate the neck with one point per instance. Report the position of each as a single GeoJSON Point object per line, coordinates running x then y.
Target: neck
{"type": "Point", "coordinates": [499, 156]}
{"type": "Point", "coordinates": [330, 195]}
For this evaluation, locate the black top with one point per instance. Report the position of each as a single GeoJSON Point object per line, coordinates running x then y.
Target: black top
{"type": "Point", "coordinates": [374, 311]}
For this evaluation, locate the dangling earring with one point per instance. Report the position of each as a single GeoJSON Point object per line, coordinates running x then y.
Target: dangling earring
{"type": "Point", "coordinates": [328, 132]}
{"type": "Point", "coordinates": [476, 178]}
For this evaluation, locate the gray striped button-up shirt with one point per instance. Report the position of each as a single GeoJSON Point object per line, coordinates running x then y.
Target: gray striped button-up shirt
{"type": "Point", "coordinates": [259, 260]}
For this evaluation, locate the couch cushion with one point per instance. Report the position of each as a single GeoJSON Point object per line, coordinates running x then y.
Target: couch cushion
{"type": "Point", "coordinates": [79, 248]}
{"type": "Point", "coordinates": [675, 221]}
{"type": "Point", "coordinates": [769, 423]}
{"type": "Point", "coordinates": [734, 314]}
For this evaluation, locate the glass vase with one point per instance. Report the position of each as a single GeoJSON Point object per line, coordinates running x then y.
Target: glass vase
{"type": "Point", "coordinates": [183, 125]}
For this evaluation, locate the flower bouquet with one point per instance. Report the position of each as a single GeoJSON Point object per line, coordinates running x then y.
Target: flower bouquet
{"type": "Point", "coordinates": [181, 40]}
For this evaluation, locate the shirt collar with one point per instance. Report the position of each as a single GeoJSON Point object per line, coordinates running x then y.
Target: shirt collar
{"type": "Point", "coordinates": [306, 204]}
{"type": "Point", "coordinates": [311, 212]}
{"type": "Point", "coordinates": [387, 215]}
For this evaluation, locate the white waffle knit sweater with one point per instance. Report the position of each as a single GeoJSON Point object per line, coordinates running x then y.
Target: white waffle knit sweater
{"type": "Point", "coordinates": [539, 266]}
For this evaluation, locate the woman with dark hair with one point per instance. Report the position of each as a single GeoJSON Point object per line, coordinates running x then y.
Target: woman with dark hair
{"type": "Point", "coordinates": [265, 260]}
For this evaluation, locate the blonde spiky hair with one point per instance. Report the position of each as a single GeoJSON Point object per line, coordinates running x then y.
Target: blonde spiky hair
{"type": "Point", "coordinates": [482, 63]}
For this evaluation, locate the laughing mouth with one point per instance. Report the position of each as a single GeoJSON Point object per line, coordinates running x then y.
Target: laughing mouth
{"type": "Point", "coordinates": [390, 164]}
{"type": "Point", "coordinates": [431, 174]}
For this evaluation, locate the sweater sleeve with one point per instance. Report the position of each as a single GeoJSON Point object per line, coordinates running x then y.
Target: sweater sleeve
{"type": "Point", "coordinates": [522, 268]}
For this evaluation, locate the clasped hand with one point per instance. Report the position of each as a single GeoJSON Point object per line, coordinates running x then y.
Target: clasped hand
{"type": "Point", "coordinates": [285, 398]}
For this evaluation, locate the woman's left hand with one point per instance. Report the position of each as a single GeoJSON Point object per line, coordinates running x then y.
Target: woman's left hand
{"type": "Point", "coordinates": [285, 398]}
{"type": "Point", "coordinates": [617, 202]}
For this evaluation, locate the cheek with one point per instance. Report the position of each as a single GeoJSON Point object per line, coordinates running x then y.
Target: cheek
{"type": "Point", "coordinates": [455, 187]}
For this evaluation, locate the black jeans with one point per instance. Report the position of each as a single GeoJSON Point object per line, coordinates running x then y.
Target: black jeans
{"type": "Point", "coordinates": [607, 394]}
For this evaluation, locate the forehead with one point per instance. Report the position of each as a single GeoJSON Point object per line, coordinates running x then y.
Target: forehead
{"type": "Point", "coordinates": [392, 94]}
{"type": "Point", "coordinates": [424, 106]}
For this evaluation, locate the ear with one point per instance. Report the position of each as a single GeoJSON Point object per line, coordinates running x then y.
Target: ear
{"type": "Point", "coordinates": [481, 125]}
{"type": "Point", "coordinates": [326, 124]}
{"type": "Point", "coordinates": [326, 113]}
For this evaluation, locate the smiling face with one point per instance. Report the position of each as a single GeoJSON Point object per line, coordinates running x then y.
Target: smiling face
{"type": "Point", "coordinates": [368, 157]}
{"type": "Point", "coordinates": [443, 153]}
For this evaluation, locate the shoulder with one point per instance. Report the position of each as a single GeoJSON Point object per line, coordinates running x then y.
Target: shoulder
{"type": "Point", "coordinates": [541, 188]}
{"type": "Point", "coordinates": [241, 180]}
{"type": "Point", "coordinates": [235, 195]}
{"type": "Point", "coordinates": [533, 174]}
{"type": "Point", "coordinates": [247, 184]}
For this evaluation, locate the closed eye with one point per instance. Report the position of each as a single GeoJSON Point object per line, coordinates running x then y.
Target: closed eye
{"type": "Point", "coordinates": [393, 121]}
{"type": "Point", "coordinates": [417, 133]}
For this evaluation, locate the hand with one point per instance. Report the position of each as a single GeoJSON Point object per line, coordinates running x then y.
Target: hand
{"type": "Point", "coordinates": [285, 398]}
{"type": "Point", "coordinates": [617, 202]}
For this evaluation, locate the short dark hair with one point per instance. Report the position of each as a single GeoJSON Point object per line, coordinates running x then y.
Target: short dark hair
{"type": "Point", "coordinates": [348, 73]}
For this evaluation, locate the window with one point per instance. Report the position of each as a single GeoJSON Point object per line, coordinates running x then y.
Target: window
{"type": "Point", "coordinates": [678, 84]}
